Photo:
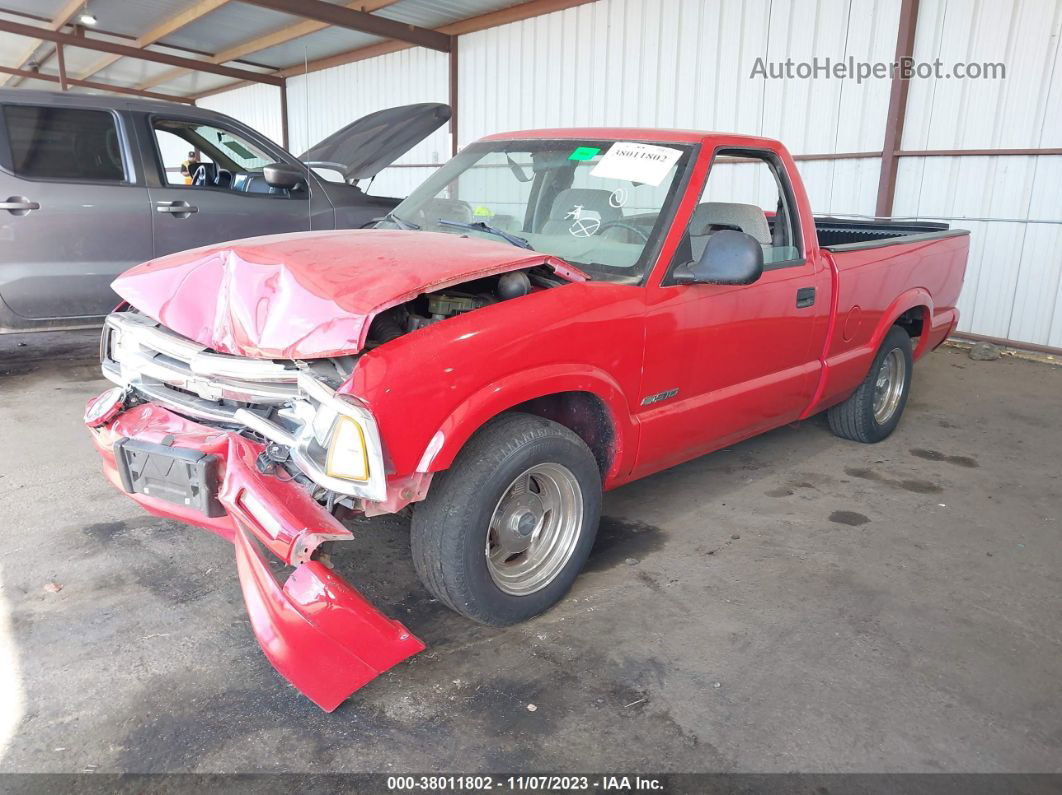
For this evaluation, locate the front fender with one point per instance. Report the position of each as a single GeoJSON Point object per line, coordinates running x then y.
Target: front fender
{"type": "Point", "coordinates": [433, 388]}
{"type": "Point", "coordinates": [516, 388]}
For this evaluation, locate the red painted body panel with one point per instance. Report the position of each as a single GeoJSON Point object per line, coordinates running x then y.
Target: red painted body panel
{"type": "Point", "coordinates": [743, 359]}
{"type": "Point", "coordinates": [307, 295]}
{"type": "Point", "coordinates": [740, 360]}
{"type": "Point", "coordinates": [455, 375]}
{"type": "Point", "coordinates": [317, 631]}
{"type": "Point", "coordinates": [876, 286]}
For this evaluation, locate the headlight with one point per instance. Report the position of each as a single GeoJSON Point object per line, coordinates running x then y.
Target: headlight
{"type": "Point", "coordinates": [348, 457]}
{"type": "Point", "coordinates": [336, 444]}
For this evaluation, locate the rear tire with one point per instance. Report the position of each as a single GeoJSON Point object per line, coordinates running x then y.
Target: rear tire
{"type": "Point", "coordinates": [873, 411]}
{"type": "Point", "coordinates": [505, 530]}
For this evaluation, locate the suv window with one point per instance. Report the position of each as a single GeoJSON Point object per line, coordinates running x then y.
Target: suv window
{"type": "Point", "coordinates": [185, 145]}
{"type": "Point", "coordinates": [64, 143]}
{"type": "Point", "coordinates": [177, 155]}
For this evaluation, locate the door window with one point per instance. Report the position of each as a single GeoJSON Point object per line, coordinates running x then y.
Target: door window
{"type": "Point", "coordinates": [205, 156]}
{"type": "Point", "coordinates": [64, 143]}
{"type": "Point", "coordinates": [177, 154]}
{"type": "Point", "coordinates": [745, 191]}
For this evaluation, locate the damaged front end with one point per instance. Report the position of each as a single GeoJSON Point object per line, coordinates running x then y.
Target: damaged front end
{"type": "Point", "coordinates": [229, 412]}
{"type": "Point", "coordinates": [259, 452]}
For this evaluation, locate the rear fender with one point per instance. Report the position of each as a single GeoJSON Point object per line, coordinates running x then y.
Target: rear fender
{"type": "Point", "coordinates": [521, 387]}
{"type": "Point", "coordinates": [913, 298]}
{"type": "Point", "coordinates": [844, 371]}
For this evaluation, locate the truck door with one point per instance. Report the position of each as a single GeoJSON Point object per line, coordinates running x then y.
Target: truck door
{"type": "Point", "coordinates": [206, 186]}
{"type": "Point", "coordinates": [725, 362]}
{"type": "Point", "coordinates": [73, 214]}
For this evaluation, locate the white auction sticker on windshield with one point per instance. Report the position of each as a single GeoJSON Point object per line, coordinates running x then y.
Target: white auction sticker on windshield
{"type": "Point", "coordinates": [644, 163]}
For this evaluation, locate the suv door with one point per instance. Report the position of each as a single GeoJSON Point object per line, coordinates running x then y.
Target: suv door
{"type": "Point", "coordinates": [229, 199]}
{"type": "Point", "coordinates": [73, 214]}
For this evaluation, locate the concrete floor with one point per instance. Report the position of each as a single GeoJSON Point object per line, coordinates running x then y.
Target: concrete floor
{"type": "Point", "coordinates": [797, 603]}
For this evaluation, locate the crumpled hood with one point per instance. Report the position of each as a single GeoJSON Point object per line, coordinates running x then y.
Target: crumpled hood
{"type": "Point", "coordinates": [308, 295]}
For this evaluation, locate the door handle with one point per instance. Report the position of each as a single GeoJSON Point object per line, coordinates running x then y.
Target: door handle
{"type": "Point", "coordinates": [180, 209]}
{"type": "Point", "coordinates": [19, 205]}
{"type": "Point", "coordinates": [805, 297]}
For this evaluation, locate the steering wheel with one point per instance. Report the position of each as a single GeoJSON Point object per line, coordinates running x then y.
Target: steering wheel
{"type": "Point", "coordinates": [622, 225]}
{"type": "Point", "coordinates": [200, 176]}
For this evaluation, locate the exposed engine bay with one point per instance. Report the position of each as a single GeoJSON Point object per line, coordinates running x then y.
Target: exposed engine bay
{"type": "Point", "coordinates": [429, 308]}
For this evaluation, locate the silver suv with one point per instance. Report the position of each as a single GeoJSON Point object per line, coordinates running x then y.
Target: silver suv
{"type": "Point", "coordinates": [92, 185]}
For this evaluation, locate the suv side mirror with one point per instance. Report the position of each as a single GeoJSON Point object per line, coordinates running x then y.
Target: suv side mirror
{"type": "Point", "coordinates": [283, 175]}
{"type": "Point", "coordinates": [730, 257]}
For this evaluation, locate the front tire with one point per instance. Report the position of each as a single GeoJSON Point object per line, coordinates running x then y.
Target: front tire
{"type": "Point", "coordinates": [505, 530]}
{"type": "Point", "coordinates": [873, 411]}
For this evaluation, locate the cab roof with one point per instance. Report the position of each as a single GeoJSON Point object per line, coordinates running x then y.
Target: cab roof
{"type": "Point", "coordinates": [636, 134]}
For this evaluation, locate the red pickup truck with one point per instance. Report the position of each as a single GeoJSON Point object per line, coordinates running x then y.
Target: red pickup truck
{"type": "Point", "coordinates": [552, 314]}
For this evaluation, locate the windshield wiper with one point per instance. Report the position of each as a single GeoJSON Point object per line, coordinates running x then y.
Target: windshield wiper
{"type": "Point", "coordinates": [480, 226]}
{"type": "Point", "coordinates": [400, 223]}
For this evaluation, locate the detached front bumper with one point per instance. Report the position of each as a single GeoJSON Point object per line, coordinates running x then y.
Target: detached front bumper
{"type": "Point", "coordinates": [318, 632]}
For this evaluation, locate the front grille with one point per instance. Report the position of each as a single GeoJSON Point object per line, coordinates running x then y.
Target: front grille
{"type": "Point", "coordinates": [291, 404]}
{"type": "Point", "coordinates": [177, 372]}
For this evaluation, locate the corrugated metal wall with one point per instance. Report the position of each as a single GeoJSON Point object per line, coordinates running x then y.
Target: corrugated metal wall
{"type": "Point", "coordinates": [322, 102]}
{"type": "Point", "coordinates": [1013, 286]}
{"type": "Point", "coordinates": [688, 63]}
{"type": "Point", "coordinates": [256, 105]}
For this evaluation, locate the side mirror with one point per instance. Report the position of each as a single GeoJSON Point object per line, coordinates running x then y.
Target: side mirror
{"type": "Point", "coordinates": [730, 257]}
{"type": "Point", "coordinates": [283, 175]}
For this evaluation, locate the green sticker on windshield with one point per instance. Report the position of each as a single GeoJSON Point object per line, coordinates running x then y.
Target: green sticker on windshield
{"type": "Point", "coordinates": [585, 153]}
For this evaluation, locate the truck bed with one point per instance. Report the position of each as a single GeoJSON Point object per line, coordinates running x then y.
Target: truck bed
{"type": "Point", "coordinates": [844, 234]}
{"type": "Point", "coordinates": [884, 271]}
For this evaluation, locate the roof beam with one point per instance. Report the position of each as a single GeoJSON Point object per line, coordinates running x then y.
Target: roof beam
{"type": "Point", "coordinates": [265, 41]}
{"type": "Point", "coordinates": [163, 29]}
{"type": "Point", "coordinates": [50, 78]}
{"type": "Point", "coordinates": [135, 52]}
{"type": "Point", "coordinates": [493, 19]}
{"type": "Point", "coordinates": [110, 35]}
{"type": "Point", "coordinates": [60, 19]}
{"type": "Point", "coordinates": [64, 84]}
{"type": "Point", "coordinates": [343, 17]}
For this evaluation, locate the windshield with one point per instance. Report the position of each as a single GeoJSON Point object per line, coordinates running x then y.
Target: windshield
{"type": "Point", "coordinates": [601, 205]}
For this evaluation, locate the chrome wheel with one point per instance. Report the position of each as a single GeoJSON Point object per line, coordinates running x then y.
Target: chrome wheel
{"type": "Point", "coordinates": [534, 529]}
{"type": "Point", "coordinates": [888, 389]}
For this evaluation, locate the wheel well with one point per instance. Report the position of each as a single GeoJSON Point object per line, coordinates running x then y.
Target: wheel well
{"type": "Point", "coordinates": [912, 321]}
{"type": "Point", "coordinates": [583, 413]}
